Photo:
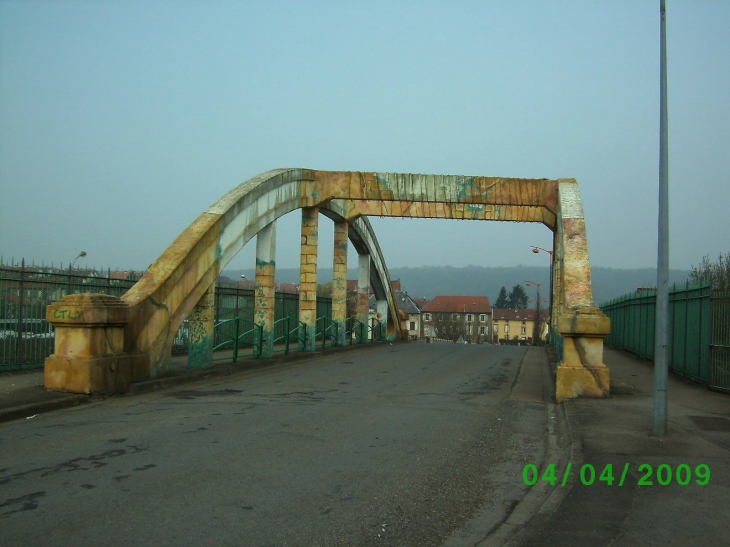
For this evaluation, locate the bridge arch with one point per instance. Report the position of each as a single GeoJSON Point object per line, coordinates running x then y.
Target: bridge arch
{"type": "Point", "coordinates": [129, 340]}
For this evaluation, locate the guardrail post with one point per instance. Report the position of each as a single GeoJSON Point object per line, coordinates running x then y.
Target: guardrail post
{"type": "Point", "coordinates": [235, 340]}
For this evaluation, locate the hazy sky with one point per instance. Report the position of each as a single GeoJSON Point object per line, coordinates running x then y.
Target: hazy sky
{"type": "Point", "coordinates": [120, 122]}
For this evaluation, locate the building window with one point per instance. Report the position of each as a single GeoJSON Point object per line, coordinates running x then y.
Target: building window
{"type": "Point", "coordinates": [496, 327]}
{"type": "Point", "coordinates": [524, 330]}
{"type": "Point", "coordinates": [506, 328]}
{"type": "Point", "coordinates": [454, 316]}
{"type": "Point", "coordinates": [483, 317]}
{"type": "Point", "coordinates": [468, 330]}
{"type": "Point", "coordinates": [469, 318]}
{"type": "Point", "coordinates": [427, 316]}
{"type": "Point", "coordinates": [482, 330]}
{"type": "Point", "coordinates": [441, 317]}
{"type": "Point", "coordinates": [413, 325]}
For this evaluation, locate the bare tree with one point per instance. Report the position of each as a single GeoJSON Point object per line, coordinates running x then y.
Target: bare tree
{"type": "Point", "coordinates": [718, 271]}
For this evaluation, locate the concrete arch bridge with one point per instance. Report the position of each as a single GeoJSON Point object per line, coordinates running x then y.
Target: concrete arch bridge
{"type": "Point", "coordinates": [103, 343]}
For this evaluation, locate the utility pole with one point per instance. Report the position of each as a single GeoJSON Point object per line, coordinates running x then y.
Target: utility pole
{"type": "Point", "coordinates": [661, 361]}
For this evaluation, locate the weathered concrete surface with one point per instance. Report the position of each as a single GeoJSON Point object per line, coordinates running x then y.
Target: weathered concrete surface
{"type": "Point", "coordinates": [178, 280]}
{"type": "Point", "coordinates": [89, 346]}
{"type": "Point", "coordinates": [339, 281]}
{"type": "Point", "coordinates": [308, 276]}
{"type": "Point", "coordinates": [265, 289]}
{"type": "Point", "coordinates": [200, 325]}
{"type": "Point", "coordinates": [581, 373]}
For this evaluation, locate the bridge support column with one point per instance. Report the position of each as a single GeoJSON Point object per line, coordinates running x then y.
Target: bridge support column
{"type": "Point", "coordinates": [265, 292]}
{"type": "Point", "coordinates": [308, 276]}
{"type": "Point", "coordinates": [582, 373]}
{"type": "Point", "coordinates": [200, 324]}
{"type": "Point", "coordinates": [363, 292]}
{"type": "Point", "coordinates": [89, 352]}
{"type": "Point", "coordinates": [339, 282]}
{"type": "Point", "coordinates": [381, 311]}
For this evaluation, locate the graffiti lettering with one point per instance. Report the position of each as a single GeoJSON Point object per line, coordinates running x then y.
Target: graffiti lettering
{"type": "Point", "coordinates": [70, 315]}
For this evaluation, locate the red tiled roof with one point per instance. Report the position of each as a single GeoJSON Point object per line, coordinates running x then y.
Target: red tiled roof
{"type": "Point", "coordinates": [421, 302]}
{"type": "Point", "coordinates": [352, 285]}
{"type": "Point", "coordinates": [458, 304]}
{"type": "Point", "coordinates": [521, 314]}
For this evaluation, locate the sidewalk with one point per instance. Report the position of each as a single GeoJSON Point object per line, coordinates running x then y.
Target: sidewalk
{"type": "Point", "coordinates": [617, 431]}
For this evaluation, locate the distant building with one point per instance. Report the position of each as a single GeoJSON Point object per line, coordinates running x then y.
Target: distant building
{"type": "Point", "coordinates": [412, 311]}
{"type": "Point", "coordinates": [511, 326]}
{"type": "Point", "coordinates": [453, 316]}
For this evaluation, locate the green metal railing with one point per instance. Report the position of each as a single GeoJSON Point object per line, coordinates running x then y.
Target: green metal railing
{"type": "Point", "coordinates": [235, 340]}
{"type": "Point", "coordinates": [377, 331]}
{"type": "Point", "coordinates": [26, 338]}
{"type": "Point", "coordinates": [354, 330]}
{"type": "Point", "coordinates": [699, 328]}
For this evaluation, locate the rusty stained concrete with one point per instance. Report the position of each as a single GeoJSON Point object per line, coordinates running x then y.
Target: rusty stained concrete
{"type": "Point", "coordinates": [265, 289]}
{"type": "Point", "coordinates": [438, 196]}
{"type": "Point", "coordinates": [180, 278]}
{"type": "Point", "coordinates": [339, 281]}
{"type": "Point", "coordinates": [308, 276]}
{"type": "Point", "coordinates": [89, 345]}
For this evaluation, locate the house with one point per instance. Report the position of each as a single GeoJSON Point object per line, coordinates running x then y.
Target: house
{"type": "Point", "coordinates": [352, 294]}
{"type": "Point", "coordinates": [517, 326]}
{"type": "Point", "coordinates": [411, 311]}
{"type": "Point", "coordinates": [451, 317]}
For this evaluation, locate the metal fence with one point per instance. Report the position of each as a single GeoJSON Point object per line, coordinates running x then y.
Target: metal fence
{"type": "Point", "coordinates": [26, 338]}
{"type": "Point", "coordinates": [699, 329]}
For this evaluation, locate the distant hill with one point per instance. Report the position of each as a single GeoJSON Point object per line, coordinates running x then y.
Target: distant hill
{"type": "Point", "coordinates": [430, 281]}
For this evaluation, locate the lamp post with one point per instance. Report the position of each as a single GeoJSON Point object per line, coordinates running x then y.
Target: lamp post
{"type": "Point", "coordinates": [537, 317]}
{"type": "Point", "coordinates": [536, 250]}
{"type": "Point", "coordinates": [70, 266]}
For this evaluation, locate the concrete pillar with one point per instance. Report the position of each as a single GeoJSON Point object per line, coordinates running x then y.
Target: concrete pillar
{"type": "Point", "coordinates": [381, 311]}
{"type": "Point", "coordinates": [581, 371]}
{"type": "Point", "coordinates": [363, 292]}
{"type": "Point", "coordinates": [200, 325]}
{"type": "Point", "coordinates": [308, 276]}
{"type": "Point", "coordinates": [265, 291]}
{"type": "Point", "coordinates": [339, 282]}
{"type": "Point", "coordinates": [89, 352]}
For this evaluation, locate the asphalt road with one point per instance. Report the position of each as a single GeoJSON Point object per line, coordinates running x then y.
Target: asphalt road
{"type": "Point", "coordinates": [399, 445]}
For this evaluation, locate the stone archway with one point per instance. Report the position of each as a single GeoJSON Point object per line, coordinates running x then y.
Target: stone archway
{"type": "Point", "coordinates": [128, 340]}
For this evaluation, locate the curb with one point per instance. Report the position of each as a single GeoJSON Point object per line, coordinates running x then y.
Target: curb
{"type": "Point", "coordinates": [542, 499]}
{"type": "Point", "coordinates": [30, 410]}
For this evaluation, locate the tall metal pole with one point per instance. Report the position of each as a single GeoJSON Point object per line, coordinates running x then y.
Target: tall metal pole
{"type": "Point", "coordinates": [661, 362]}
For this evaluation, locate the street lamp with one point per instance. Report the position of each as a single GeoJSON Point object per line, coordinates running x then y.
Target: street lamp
{"type": "Point", "coordinates": [537, 317]}
{"type": "Point", "coordinates": [70, 266]}
{"type": "Point", "coordinates": [536, 250]}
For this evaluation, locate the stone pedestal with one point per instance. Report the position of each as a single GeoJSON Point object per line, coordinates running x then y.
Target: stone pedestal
{"type": "Point", "coordinates": [89, 346]}
{"type": "Point", "coordinates": [582, 373]}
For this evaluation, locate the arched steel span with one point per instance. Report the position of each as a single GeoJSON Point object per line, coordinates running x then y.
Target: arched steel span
{"type": "Point", "coordinates": [181, 280]}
